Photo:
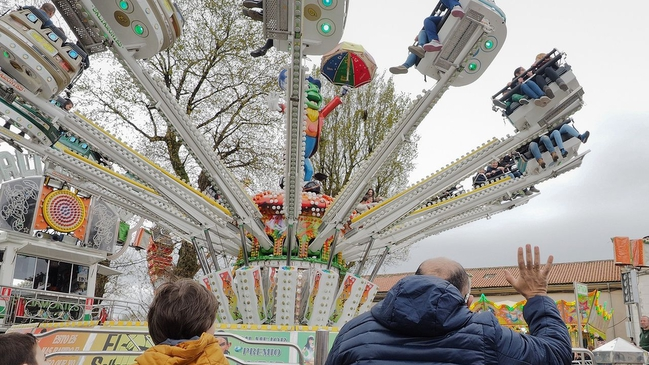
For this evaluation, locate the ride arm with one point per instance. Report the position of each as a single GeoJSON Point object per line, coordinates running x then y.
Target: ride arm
{"type": "Point", "coordinates": [238, 200]}
{"type": "Point", "coordinates": [398, 206]}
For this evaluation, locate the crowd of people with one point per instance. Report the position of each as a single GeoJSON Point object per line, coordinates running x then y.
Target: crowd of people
{"type": "Point", "coordinates": [507, 165]}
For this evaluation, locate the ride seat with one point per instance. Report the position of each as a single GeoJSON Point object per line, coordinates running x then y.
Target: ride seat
{"type": "Point", "coordinates": [56, 30]}
{"type": "Point", "coordinates": [514, 104]}
{"type": "Point", "coordinates": [80, 52]}
{"type": "Point", "coordinates": [46, 22]}
{"type": "Point", "coordinates": [40, 14]}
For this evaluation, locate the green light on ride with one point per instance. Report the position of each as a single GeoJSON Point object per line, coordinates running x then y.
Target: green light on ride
{"type": "Point", "coordinates": [123, 5]}
{"type": "Point", "coordinates": [327, 3]}
{"type": "Point", "coordinates": [6, 54]}
{"type": "Point", "coordinates": [489, 44]}
{"type": "Point", "coordinates": [326, 28]}
{"type": "Point", "coordinates": [138, 29]}
{"type": "Point", "coordinates": [473, 66]}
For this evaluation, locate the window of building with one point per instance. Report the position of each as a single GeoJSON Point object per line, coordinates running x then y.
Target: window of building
{"type": "Point", "coordinates": [489, 276]}
{"type": "Point", "coordinates": [24, 272]}
{"type": "Point", "coordinates": [50, 275]}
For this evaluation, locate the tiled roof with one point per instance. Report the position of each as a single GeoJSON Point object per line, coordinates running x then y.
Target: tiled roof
{"type": "Point", "coordinates": [588, 272]}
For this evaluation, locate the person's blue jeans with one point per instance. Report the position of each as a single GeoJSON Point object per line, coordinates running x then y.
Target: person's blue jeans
{"type": "Point", "coordinates": [450, 4]}
{"type": "Point", "coordinates": [531, 89]}
{"type": "Point", "coordinates": [534, 147]}
{"type": "Point", "coordinates": [430, 27]}
{"type": "Point", "coordinates": [412, 58]}
{"type": "Point", "coordinates": [565, 129]}
{"type": "Point", "coordinates": [431, 23]}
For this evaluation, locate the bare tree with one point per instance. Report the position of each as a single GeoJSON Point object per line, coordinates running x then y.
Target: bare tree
{"type": "Point", "coordinates": [354, 130]}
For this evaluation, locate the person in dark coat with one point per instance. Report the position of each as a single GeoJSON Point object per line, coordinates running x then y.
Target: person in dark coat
{"type": "Point", "coordinates": [425, 319]}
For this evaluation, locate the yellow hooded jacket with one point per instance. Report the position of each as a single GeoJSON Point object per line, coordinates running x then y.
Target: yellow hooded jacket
{"type": "Point", "coordinates": [203, 351]}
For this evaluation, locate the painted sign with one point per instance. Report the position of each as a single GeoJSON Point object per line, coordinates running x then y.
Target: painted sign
{"type": "Point", "coordinates": [120, 341]}
{"type": "Point", "coordinates": [5, 294]}
{"type": "Point", "coordinates": [19, 165]}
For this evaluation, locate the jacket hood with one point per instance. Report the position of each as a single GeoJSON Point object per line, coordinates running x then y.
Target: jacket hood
{"type": "Point", "coordinates": [422, 306]}
{"type": "Point", "coordinates": [204, 350]}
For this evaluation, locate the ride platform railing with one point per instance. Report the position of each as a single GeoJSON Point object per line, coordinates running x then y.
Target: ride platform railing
{"type": "Point", "coordinates": [25, 306]}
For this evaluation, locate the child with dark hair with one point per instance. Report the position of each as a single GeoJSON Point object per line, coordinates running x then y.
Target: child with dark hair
{"type": "Point", "coordinates": [20, 349]}
{"type": "Point", "coordinates": [181, 324]}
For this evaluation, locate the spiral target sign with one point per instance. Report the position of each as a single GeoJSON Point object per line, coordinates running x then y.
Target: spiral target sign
{"type": "Point", "coordinates": [63, 211]}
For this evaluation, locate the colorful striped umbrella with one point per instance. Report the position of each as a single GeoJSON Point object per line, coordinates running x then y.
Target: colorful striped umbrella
{"type": "Point", "coordinates": [348, 64]}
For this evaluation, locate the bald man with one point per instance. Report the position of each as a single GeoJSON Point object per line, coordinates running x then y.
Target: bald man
{"type": "Point", "coordinates": [425, 319]}
{"type": "Point", "coordinates": [644, 334]}
{"type": "Point", "coordinates": [48, 9]}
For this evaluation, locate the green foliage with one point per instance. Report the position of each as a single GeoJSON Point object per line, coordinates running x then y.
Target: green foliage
{"type": "Point", "coordinates": [187, 265]}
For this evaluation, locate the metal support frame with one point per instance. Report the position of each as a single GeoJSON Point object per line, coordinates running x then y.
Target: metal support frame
{"type": "Point", "coordinates": [379, 264]}
{"type": "Point", "coordinates": [290, 232]}
{"type": "Point", "coordinates": [205, 266]}
{"type": "Point", "coordinates": [321, 347]}
{"type": "Point", "coordinates": [210, 248]}
{"type": "Point", "coordinates": [332, 249]}
{"type": "Point", "coordinates": [294, 164]}
{"type": "Point", "coordinates": [365, 256]}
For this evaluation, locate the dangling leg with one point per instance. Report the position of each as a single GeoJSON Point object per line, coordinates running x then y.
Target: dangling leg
{"type": "Point", "coordinates": [536, 152]}
{"type": "Point", "coordinates": [430, 25]}
{"type": "Point", "coordinates": [548, 145]}
{"type": "Point", "coordinates": [261, 51]}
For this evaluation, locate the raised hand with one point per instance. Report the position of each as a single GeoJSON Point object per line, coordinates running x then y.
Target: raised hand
{"type": "Point", "coordinates": [533, 279]}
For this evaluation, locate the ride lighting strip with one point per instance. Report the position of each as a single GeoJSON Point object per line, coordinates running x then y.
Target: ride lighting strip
{"type": "Point", "coordinates": [295, 131]}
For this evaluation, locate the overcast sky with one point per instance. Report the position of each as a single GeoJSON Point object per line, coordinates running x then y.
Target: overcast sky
{"type": "Point", "coordinates": [577, 213]}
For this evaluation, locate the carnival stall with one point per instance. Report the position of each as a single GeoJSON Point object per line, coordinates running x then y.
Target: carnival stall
{"type": "Point", "coordinates": [595, 315]}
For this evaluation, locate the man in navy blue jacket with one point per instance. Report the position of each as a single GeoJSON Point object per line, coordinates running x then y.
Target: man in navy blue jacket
{"type": "Point", "coordinates": [425, 319]}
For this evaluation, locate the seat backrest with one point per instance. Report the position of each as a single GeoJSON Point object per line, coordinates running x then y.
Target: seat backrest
{"type": "Point", "coordinates": [80, 52]}
{"type": "Point", "coordinates": [40, 14]}
{"type": "Point", "coordinates": [56, 30]}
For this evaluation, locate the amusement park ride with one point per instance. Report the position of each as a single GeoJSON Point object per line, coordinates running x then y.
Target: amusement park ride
{"type": "Point", "coordinates": [293, 246]}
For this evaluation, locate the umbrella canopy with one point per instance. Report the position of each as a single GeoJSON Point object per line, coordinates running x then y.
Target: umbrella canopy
{"type": "Point", "coordinates": [348, 64]}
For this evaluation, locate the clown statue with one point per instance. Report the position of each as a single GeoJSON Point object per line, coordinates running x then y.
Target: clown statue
{"type": "Point", "coordinates": [315, 115]}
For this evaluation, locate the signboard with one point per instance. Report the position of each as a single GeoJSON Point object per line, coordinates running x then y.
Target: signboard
{"type": "Point", "coordinates": [5, 294]}
{"type": "Point", "coordinates": [630, 251]}
{"type": "Point", "coordinates": [120, 341]}
{"type": "Point", "coordinates": [581, 301]}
